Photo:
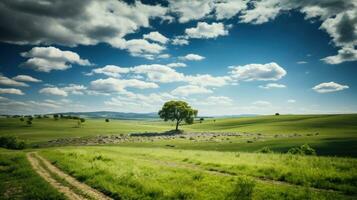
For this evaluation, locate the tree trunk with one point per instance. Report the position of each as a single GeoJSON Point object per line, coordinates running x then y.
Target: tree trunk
{"type": "Point", "coordinates": [177, 124]}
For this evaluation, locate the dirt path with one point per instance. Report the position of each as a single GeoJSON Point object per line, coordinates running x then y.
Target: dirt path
{"type": "Point", "coordinates": [69, 186]}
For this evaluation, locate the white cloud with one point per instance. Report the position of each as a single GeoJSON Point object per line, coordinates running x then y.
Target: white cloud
{"type": "Point", "coordinates": [229, 8]}
{"type": "Point", "coordinates": [329, 87]}
{"type": "Point", "coordinates": [207, 80]}
{"type": "Point", "coordinates": [158, 73]}
{"type": "Point", "coordinates": [216, 100]}
{"type": "Point", "coordinates": [156, 37]}
{"type": "Point", "coordinates": [345, 54]}
{"type": "Point", "coordinates": [9, 82]}
{"type": "Point", "coordinates": [301, 62]}
{"type": "Point", "coordinates": [139, 47]}
{"type": "Point", "coordinates": [11, 91]}
{"type": "Point", "coordinates": [164, 55]}
{"type": "Point", "coordinates": [46, 59]}
{"type": "Point", "coordinates": [262, 103]}
{"type": "Point", "coordinates": [204, 30]}
{"type": "Point", "coordinates": [117, 85]}
{"type": "Point", "coordinates": [75, 89]}
{"type": "Point", "coordinates": [111, 70]}
{"type": "Point", "coordinates": [190, 90]}
{"type": "Point", "coordinates": [75, 22]}
{"type": "Point", "coordinates": [53, 91]}
{"type": "Point", "coordinates": [260, 72]}
{"type": "Point", "coordinates": [193, 57]}
{"type": "Point", "coordinates": [26, 78]}
{"type": "Point", "coordinates": [291, 101]}
{"type": "Point", "coordinates": [180, 41]}
{"type": "Point", "coordinates": [190, 10]}
{"type": "Point", "coordinates": [272, 85]}
{"type": "Point", "coordinates": [179, 64]}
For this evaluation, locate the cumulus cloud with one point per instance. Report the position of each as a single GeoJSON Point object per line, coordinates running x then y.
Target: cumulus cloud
{"type": "Point", "coordinates": [272, 85]}
{"type": "Point", "coordinates": [158, 73]}
{"type": "Point", "coordinates": [10, 82]}
{"type": "Point", "coordinates": [180, 41]}
{"type": "Point", "coordinates": [179, 64]}
{"type": "Point", "coordinates": [75, 89]}
{"type": "Point", "coordinates": [329, 87]}
{"type": "Point", "coordinates": [156, 37]}
{"type": "Point", "coordinates": [345, 54]}
{"type": "Point", "coordinates": [111, 70]}
{"type": "Point", "coordinates": [190, 90]}
{"type": "Point", "coordinates": [192, 57]}
{"type": "Point", "coordinates": [139, 47]}
{"type": "Point", "coordinates": [190, 10]}
{"type": "Point", "coordinates": [72, 23]}
{"type": "Point", "coordinates": [258, 72]}
{"type": "Point", "coordinates": [46, 59]}
{"type": "Point", "coordinates": [26, 78]}
{"type": "Point", "coordinates": [216, 100]}
{"type": "Point", "coordinates": [229, 8]}
{"type": "Point", "coordinates": [112, 85]}
{"type": "Point", "coordinates": [53, 91]}
{"type": "Point", "coordinates": [207, 80]}
{"type": "Point", "coordinates": [204, 30]}
{"type": "Point", "coordinates": [11, 91]}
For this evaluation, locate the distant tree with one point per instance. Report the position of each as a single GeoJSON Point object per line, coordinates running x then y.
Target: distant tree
{"type": "Point", "coordinates": [106, 120]}
{"type": "Point", "coordinates": [82, 120]}
{"type": "Point", "coordinates": [177, 111]}
{"type": "Point", "coordinates": [202, 119]}
{"type": "Point", "coordinates": [22, 119]}
{"type": "Point", "coordinates": [277, 114]}
{"type": "Point", "coordinates": [61, 116]}
{"type": "Point", "coordinates": [55, 116]}
{"type": "Point", "coordinates": [29, 118]}
{"type": "Point", "coordinates": [29, 122]}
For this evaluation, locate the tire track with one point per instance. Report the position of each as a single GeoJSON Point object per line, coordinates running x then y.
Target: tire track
{"type": "Point", "coordinates": [47, 171]}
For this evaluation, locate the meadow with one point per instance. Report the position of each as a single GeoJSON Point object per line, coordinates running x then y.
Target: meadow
{"type": "Point", "coordinates": [220, 158]}
{"type": "Point", "coordinates": [147, 173]}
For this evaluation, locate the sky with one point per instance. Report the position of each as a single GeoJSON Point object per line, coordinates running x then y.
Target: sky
{"type": "Point", "coordinates": [225, 57]}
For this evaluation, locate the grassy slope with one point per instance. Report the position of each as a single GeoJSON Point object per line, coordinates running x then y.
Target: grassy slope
{"type": "Point", "coordinates": [19, 181]}
{"type": "Point", "coordinates": [132, 173]}
{"type": "Point", "coordinates": [337, 133]}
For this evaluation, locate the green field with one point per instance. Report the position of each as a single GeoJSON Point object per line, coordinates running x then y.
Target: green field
{"type": "Point", "coordinates": [139, 173]}
{"type": "Point", "coordinates": [328, 134]}
{"type": "Point", "coordinates": [215, 159]}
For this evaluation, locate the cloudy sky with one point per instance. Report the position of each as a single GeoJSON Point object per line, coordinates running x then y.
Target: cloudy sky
{"type": "Point", "coordinates": [224, 57]}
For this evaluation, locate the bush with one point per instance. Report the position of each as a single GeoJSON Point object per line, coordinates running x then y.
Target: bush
{"type": "Point", "coordinates": [265, 150]}
{"type": "Point", "coordinates": [106, 120]}
{"type": "Point", "coordinates": [10, 142]}
{"type": "Point", "coordinates": [242, 190]}
{"type": "Point", "coordinates": [302, 150]}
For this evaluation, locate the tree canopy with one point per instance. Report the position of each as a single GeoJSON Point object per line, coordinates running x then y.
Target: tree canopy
{"type": "Point", "coordinates": [178, 111]}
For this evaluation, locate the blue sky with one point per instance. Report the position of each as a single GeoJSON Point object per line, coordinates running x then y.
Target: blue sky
{"type": "Point", "coordinates": [223, 57]}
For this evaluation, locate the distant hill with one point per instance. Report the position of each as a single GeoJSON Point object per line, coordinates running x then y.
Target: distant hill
{"type": "Point", "coordinates": [112, 115]}
{"type": "Point", "coordinates": [123, 115]}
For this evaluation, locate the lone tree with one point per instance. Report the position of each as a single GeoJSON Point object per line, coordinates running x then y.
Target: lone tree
{"type": "Point", "coordinates": [177, 111]}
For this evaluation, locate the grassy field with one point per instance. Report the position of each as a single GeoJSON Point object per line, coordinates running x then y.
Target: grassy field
{"type": "Point", "coordinates": [195, 165]}
{"type": "Point", "coordinates": [147, 173]}
{"type": "Point", "coordinates": [328, 134]}
{"type": "Point", "coordinates": [19, 181]}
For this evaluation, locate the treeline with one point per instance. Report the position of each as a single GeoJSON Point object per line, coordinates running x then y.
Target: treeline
{"type": "Point", "coordinates": [10, 142]}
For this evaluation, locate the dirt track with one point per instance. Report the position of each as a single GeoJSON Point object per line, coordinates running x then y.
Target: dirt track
{"type": "Point", "coordinates": [64, 183]}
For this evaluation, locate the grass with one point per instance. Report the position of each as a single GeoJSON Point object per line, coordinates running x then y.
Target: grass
{"type": "Point", "coordinates": [19, 181]}
{"type": "Point", "coordinates": [153, 173]}
{"type": "Point", "coordinates": [333, 135]}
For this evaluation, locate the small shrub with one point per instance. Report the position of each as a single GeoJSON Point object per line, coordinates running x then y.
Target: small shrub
{"type": "Point", "coordinates": [302, 150]}
{"type": "Point", "coordinates": [10, 142]}
{"type": "Point", "coordinates": [265, 150]}
{"type": "Point", "coordinates": [106, 120]}
{"type": "Point", "coordinates": [242, 190]}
